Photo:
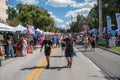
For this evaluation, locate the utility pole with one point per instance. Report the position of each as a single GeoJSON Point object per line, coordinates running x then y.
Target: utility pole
{"type": "Point", "coordinates": [71, 21]}
{"type": "Point", "coordinates": [100, 18]}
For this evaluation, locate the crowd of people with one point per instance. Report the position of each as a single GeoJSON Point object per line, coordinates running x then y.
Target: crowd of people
{"type": "Point", "coordinates": [63, 41]}
{"type": "Point", "coordinates": [20, 47]}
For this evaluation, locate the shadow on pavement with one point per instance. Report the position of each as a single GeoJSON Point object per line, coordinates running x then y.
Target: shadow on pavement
{"type": "Point", "coordinates": [30, 68]}
{"type": "Point", "coordinates": [58, 68]}
{"type": "Point", "coordinates": [57, 56]}
{"type": "Point", "coordinates": [52, 68]}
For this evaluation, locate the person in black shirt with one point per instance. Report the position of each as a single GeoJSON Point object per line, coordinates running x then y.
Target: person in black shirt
{"type": "Point", "coordinates": [69, 49]}
{"type": "Point", "coordinates": [63, 45]}
{"type": "Point", "coordinates": [48, 44]}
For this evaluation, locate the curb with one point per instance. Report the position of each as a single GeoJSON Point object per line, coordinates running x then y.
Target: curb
{"type": "Point", "coordinates": [117, 53]}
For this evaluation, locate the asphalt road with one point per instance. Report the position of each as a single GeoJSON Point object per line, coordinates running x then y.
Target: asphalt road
{"type": "Point", "coordinates": [105, 60]}
{"type": "Point", "coordinates": [32, 67]}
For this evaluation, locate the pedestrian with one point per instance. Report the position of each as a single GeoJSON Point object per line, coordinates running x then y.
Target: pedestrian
{"type": "Point", "coordinates": [53, 41]}
{"type": "Point", "coordinates": [24, 46]}
{"type": "Point", "coordinates": [40, 40]}
{"type": "Point", "coordinates": [63, 46]}
{"type": "Point", "coordinates": [10, 47]}
{"type": "Point", "coordinates": [93, 41]}
{"type": "Point", "coordinates": [34, 42]}
{"type": "Point", "coordinates": [69, 50]}
{"type": "Point", "coordinates": [85, 41]}
{"type": "Point", "coordinates": [48, 44]}
{"type": "Point", "coordinates": [57, 42]}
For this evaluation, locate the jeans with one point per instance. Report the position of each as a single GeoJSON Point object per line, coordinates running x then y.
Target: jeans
{"type": "Point", "coordinates": [10, 51]}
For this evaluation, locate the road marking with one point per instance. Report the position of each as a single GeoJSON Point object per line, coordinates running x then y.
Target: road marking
{"type": "Point", "coordinates": [37, 71]}
{"type": "Point", "coordinates": [40, 70]}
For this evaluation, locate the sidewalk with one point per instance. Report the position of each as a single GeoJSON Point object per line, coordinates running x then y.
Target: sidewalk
{"type": "Point", "coordinates": [82, 69]}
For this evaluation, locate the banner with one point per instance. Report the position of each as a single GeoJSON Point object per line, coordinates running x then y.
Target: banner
{"type": "Point", "coordinates": [108, 23]}
{"type": "Point", "coordinates": [30, 30]}
{"type": "Point", "coordinates": [118, 21]}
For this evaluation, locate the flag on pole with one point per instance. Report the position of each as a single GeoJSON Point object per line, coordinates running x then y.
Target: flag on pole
{"type": "Point", "coordinates": [108, 23]}
{"type": "Point", "coordinates": [118, 21]}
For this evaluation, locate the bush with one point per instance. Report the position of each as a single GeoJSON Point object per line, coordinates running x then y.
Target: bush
{"type": "Point", "coordinates": [101, 42]}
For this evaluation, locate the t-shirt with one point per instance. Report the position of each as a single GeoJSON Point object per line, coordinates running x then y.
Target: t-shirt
{"type": "Point", "coordinates": [57, 40]}
{"type": "Point", "coordinates": [47, 44]}
{"type": "Point", "coordinates": [63, 43]}
{"type": "Point", "coordinates": [93, 40]}
{"type": "Point", "coordinates": [69, 43]}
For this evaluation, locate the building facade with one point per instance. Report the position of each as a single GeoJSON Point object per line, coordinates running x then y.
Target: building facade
{"type": "Point", "coordinates": [3, 10]}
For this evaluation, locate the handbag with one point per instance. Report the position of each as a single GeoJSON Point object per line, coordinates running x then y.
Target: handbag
{"type": "Point", "coordinates": [74, 54]}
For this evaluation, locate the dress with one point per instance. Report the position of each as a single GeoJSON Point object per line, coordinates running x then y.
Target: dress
{"type": "Point", "coordinates": [69, 48]}
{"type": "Point", "coordinates": [48, 45]}
{"type": "Point", "coordinates": [40, 41]}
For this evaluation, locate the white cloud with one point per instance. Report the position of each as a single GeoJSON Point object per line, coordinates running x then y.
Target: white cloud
{"type": "Point", "coordinates": [59, 3]}
{"type": "Point", "coordinates": [72, 3]}
{"type": "Point", "coordinates": [57, 20]}
{"type": "Point", "coordinates": [64, 25]}
{"type": "Point", "coordinates": [86, 3]}
{"type": "Point", "coordinates": [33, 2]}
{"type": "Point", "coordinates": [83, 8]}
{"type": "Point", "coordinates": [83, 11]}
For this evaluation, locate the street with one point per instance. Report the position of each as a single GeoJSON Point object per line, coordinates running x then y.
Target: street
{"type": "Point", "coordinates": [32, 67]}
{"type": "Point", "coordinates": [105, 60]}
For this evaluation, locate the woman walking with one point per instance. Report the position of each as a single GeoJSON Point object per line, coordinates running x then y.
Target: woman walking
{"type": "Point", "coordinates": [69, 50]}
{"type": "Point", "coordinates": [63, 46]}
{"type": "Point", "coordinates": [85, 41]}
{"type": "Point", "coordinates": [40, 40]}
{"type": "Point", "coordinates": [48, 44]}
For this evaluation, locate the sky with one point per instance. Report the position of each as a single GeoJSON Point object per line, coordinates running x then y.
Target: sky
{"type": "Point", "coordinates": [60, 10]}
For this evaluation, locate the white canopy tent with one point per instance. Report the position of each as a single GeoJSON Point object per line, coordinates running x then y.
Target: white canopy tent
{"type": "Point", "coordinates": [20, 28]}
{"type": "Point", "coordinates": [39, 30]}
{"type": "Point", "coordinates": [4, 27]}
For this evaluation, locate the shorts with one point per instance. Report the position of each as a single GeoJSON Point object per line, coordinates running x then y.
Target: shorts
{"type": "Point", "coordinates": [47, 52]}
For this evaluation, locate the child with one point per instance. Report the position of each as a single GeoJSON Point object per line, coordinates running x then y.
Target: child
{"type": "Point", "coordinates": [93, 41]}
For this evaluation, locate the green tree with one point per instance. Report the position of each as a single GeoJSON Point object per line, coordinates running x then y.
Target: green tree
{"type": "Point", "coordinates": [32, 15]}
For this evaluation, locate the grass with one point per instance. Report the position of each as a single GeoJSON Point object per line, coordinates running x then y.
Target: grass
{"type": "Point", "coordinates": [117, 49]}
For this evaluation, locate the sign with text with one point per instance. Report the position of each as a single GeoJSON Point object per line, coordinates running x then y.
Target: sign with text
{"type": "Point", "coordinates": [112, 42]}
{"type": "Point", "coordinates": [118, 21]}
{"type": "Point", "coordinates": [108, 23]}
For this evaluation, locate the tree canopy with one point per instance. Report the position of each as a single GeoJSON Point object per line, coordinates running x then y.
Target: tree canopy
{"type": "Point", "coordinates": [109, 8]}
{"type": "Point", "coordinates": [30, 15]}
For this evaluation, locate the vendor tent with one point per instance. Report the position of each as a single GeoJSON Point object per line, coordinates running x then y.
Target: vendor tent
{"type": "Point", "coordinates": [4, 27]}
{"type": "Point", "coordinates": [10, 28]}
{"type": "Point", "coordinates": [38, 31]}
{"type": "Point", "coordinates": [20, 28]}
